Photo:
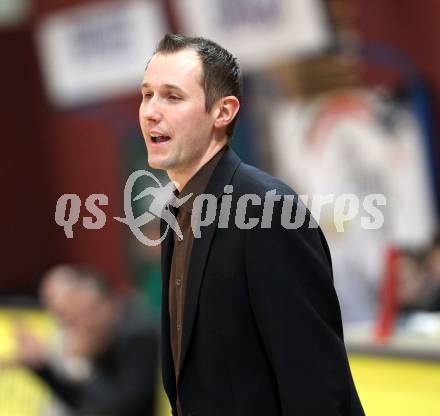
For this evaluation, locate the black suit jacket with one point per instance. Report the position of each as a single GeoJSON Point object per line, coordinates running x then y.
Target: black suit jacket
{"type": "Point", "coordinates": [262, 332]}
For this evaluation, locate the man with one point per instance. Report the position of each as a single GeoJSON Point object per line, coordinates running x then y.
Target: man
{"type": "Point", "coordinates": [250, 320]}
{"type": "Point", "coordinates": [111, 334]}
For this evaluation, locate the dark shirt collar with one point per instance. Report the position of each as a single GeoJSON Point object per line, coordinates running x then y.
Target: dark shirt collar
{"type": "Point", "coordinates": [198, 182]}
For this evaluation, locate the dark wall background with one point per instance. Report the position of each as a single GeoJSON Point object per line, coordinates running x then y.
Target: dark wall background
{"type": "Point", "coordinates": [47, 152]}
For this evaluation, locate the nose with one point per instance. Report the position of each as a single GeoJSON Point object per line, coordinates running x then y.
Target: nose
{"type": "Point", "coordinates": [150, 110]}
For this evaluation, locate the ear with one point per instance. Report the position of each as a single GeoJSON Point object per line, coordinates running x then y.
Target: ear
{"type": "Point", "coordinates": [227, 109]}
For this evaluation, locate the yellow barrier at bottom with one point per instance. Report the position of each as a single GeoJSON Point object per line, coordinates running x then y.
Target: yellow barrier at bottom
{"type": "Point", "coordinates": [387, 386]}
{"type": "Point", "coordinates": [21, 392]}
{"type": "Point", "coordinates": [391, 386]}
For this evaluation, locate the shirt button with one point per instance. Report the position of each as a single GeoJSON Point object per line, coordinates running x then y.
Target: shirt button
{"type": "Point", "coordinates": [178, 282]}
{"type": "Point", "coordinates": [179, 327]}
{"type": "Point", "coordinates": [179, 238]}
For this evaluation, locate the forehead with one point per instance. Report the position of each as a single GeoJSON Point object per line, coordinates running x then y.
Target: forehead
{"type": "Point", "coordinates": [182, 68]}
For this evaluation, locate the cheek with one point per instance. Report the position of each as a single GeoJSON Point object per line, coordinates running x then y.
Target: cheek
{"type": "Point", "coordinates": [141, 107]}
{"type": "Point", "coordinates": [141, 119]}
{"type": "Point", "coordinates": [197, 121]}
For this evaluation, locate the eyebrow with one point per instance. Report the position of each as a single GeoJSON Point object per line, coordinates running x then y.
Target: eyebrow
{"type": "Point", "coordinates": [168, 86]}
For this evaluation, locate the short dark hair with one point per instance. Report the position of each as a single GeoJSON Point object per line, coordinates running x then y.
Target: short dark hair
{"type": "Point", "coordinates": [221, 75]}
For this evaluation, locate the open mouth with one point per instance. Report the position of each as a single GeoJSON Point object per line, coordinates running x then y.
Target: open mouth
{"type": "Point", "coordinates": [160, 139]}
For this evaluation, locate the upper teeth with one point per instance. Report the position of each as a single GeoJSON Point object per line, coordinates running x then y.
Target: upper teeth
{"type": "Point", "coordinates": [159, 138]}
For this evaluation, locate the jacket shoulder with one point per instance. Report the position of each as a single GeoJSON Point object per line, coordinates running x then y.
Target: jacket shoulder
{"type": "Point", "coordinates": [249, 179]}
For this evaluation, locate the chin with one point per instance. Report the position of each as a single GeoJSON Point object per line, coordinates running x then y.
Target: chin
{"type": "Point", "coordinates": [157, 163]}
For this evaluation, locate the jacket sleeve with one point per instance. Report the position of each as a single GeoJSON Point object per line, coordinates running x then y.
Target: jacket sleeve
{"type": "Point", "coordinates": [68, 391]}
{"type": "Point", "coordinates": [297, 314]}
{"type": "Point", "coordinates": [131, 390]}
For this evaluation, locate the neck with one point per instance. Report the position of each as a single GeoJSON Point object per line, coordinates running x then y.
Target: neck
{"type": "Point", "coordinates": [182, 176]}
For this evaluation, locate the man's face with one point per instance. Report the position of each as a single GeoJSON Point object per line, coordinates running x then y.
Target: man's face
{"type": "Point", "coordinates": [56, 292]}
{"type": "Point", "coordinates": [175, 125]}
{"type": "Point", "coordinates": [94, 314]}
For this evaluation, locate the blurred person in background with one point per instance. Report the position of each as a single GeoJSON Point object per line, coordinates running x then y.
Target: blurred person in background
{"type": "Point", "coordinates": [432, 266]}
{"type": "Point", "coordinates": [111, 338]}
{"type": "Point", "coordinates": [411, 279]}
{"type": "Point", "coordinates": [57, 294]}
{"type": "Point", "coordinates": [419, 280]}
{"type": "Point", "coordinates": [251, 323]}
{"type": "Point", "coordinates": [56, 289]}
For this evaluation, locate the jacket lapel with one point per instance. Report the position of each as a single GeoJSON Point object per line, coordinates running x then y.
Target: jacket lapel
{"type": "Point", "coordinates": [221, 176]}
{"type": "Point", "coordinates": [168, 372]}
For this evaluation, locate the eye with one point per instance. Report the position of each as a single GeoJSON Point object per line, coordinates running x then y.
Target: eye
{"type": "Point", "coordinates": [148, 95]}
{"type": "Point", "coordinates": [173, 97]}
